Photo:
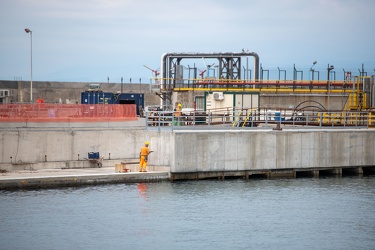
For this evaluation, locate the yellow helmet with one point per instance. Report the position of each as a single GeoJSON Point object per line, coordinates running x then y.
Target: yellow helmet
{"type": "Point", "coordinates": [146, 143]}
{"type": "Point", "coordinates": [180, 105]}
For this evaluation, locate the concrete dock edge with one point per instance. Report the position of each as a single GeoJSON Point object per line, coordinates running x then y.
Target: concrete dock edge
{"type": "Point", "coordinates": [81, 180]}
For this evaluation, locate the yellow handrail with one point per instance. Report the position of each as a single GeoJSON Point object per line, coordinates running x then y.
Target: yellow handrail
{"type": "Point", "coordinates": [237, 119]}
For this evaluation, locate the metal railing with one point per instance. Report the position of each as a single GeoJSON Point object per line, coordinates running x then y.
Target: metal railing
{"type": "Point", "coordinates": [262, 117]}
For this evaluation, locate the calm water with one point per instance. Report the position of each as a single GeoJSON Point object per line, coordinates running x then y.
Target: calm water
{"type": "Point", "coordinates": [308, 213]}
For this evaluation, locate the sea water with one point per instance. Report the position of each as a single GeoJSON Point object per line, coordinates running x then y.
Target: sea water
{"type": "Point", "coordinates": [303, 213]}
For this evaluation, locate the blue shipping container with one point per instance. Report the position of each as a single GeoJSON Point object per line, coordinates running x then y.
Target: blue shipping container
{"type": "Point", "coordinates": [90, 97]}
{"type": "Point", "coordinates": [131, 98]}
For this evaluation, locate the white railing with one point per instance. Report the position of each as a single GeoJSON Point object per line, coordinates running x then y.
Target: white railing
{"type": "Point", "coordinates": [246, 118]}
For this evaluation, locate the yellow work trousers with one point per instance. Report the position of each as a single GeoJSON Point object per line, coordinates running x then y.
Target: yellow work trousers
{"type": "Point", "coordinates": [143, 163]}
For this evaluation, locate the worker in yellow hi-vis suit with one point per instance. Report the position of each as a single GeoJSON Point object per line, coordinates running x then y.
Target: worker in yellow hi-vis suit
{"type": "Point", "coordinates": [145, 151]}
{"type": "Point", "coordinates": [177, 115]}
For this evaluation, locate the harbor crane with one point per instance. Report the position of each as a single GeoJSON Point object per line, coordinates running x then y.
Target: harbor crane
{"type": "Point", "coordinates": [155, 72]}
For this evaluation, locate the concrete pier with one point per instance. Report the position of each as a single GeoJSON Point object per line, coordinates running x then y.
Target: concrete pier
{"type": "Point", "coordinates": [187, 153]}
{"type": "Point", "coordinates": [53, 178]}
{"type": "Point", "coordinates": [201, 154]}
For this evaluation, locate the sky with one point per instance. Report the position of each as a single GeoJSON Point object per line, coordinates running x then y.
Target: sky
{"type": "Point", "coordinates": [104, 40]}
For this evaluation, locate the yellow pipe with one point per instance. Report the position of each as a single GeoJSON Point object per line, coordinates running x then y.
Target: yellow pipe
{"type": "Point", "coordinates": [273, 90]}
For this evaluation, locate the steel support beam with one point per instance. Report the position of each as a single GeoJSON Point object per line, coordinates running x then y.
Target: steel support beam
{"type": "Point", "coordinates": [229, 68]}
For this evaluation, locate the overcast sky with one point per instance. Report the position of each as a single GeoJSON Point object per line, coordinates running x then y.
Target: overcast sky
{"type": "Point", "coordinates": [90, 40]}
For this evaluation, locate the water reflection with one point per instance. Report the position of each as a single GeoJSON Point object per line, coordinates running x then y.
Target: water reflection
{"type": "Point", "coordinates": [142, 187]}
{"type": "Point", "coordinates": [313, 213]}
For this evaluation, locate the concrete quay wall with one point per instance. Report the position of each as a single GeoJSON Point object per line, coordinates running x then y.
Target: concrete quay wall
{"type": "Point", "coordinates": [190, 152]}
{"type": "Point", "coordinates": [200, 154]}
{"type": "Point", "coordinates": [39, 148]}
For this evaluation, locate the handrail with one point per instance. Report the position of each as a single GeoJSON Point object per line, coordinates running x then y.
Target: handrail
{"type": "Point", "coordinates": [247, 118]}
{"type": "Point", "coordinates": [261, 117]}
{"type": "Point", "coordinates": [252, 81]}
{"type": "Point", "coordinates": [237, 119]}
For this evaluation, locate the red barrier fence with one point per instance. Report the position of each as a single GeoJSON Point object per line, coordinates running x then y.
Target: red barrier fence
{"type": "Point", "coordinates": [44, 112]}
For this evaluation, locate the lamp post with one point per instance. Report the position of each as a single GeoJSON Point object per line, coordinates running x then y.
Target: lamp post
{"type": "Point", "coordinates": [122, 79]}
{"type": "Point", "coordinates": [328, 76]}
{"type": "Point", "coordinates": [329, 68]}
{"type": "Point", "coordinates": [31, 63]}
{"type": "Point", "coordinates": [312, 70]}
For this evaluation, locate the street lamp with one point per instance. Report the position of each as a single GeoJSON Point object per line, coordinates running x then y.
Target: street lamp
{"type": "Point", "coordinates": [312, 70]}
{"type": "Point", "coordinates": [122, 79]}
{"type": "Point", "coordinates": [329, 70]}
{"type": "Point", "coordinates": [31, 63]}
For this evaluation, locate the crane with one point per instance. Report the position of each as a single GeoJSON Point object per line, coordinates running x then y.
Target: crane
{"type": "Point", "coordinates": [208, 67]}
{"type": "Point", "coordinates": [155, 72]}
{"type": "Point", "coordinates": [202, 73]}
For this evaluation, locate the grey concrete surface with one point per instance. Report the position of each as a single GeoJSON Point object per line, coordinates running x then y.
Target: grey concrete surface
{"type": "Point", "coordinates": [139, 123]}
{"type": "Point", "coordinates": [211, 151]}
{"type": "Point", "coordinates": [52, 178]}
{"type": "Point", "coordinates": [48, 145]}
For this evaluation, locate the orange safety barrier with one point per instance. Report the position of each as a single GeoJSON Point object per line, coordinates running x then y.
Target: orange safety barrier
{"type": "Point", "coordinates": [44, 112]}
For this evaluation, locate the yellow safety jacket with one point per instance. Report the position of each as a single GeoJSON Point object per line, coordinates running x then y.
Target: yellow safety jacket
{"type": "Point", "coordinates": [145, 151]}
